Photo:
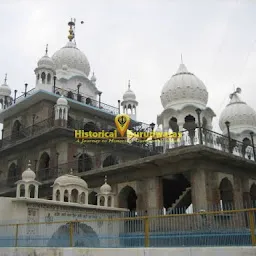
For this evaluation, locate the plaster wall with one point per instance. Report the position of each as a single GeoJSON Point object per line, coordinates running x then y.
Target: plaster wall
{"type": "Point", "coordinates": [225, 251]}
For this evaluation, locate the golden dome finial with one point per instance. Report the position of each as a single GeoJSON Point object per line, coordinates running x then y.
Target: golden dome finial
{"type": "Point", "coordinates": [71, 30]}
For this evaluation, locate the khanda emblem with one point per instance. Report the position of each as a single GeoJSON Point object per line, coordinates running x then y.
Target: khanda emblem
{"type": "Point", "coordinates": [122, 123]}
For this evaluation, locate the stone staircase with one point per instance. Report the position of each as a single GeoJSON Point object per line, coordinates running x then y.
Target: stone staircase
{"type": "Point", "coordinates": [183, 201]}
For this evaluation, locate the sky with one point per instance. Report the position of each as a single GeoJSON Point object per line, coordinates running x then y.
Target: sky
{"type": "Point", "coordinates": [137, 40]}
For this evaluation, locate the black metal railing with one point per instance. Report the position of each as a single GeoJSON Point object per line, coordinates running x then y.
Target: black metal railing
{"type": "Point", "coordinates": [87, 100]}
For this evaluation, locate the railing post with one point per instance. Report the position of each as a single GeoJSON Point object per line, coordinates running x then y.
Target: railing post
{"type": "Point", "coordinates": [198, 111]}
{"type": "Point", "coordinates": [71, 233]}
{"type": "Point", "coordinates": [252, 227]}
{"type": "Point", "coordinates": [16, 235]}
{"type": "Point", "coordinates": [146, 232]}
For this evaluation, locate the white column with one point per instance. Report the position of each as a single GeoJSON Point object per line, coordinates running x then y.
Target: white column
{"type": "Point", "coordinates": [106, 201]}
{"type": "Point", "coordinates": [26, 190]}
{"type": "Point", "coordinates": [36, 191]}
{"type": "Point", "coordinates": [18, 191]}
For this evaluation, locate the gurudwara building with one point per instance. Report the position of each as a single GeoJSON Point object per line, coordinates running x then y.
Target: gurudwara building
{"type": "Point", "coordinates": [203, 169]}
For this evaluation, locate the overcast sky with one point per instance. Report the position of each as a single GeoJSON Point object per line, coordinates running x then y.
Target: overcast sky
{"type": "Point", "coordinates": [137, 40]}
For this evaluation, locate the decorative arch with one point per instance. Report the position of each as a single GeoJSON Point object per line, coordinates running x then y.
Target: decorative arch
{"type": "Point", "coordinates": [110, 160]}
{"type": "Point", "coordinates": [173, 124]}
{"type": "Point", "coordinates": [58, 195]}
{"type": "Point", "coordinates": [83, 236]}
{"type": "Point", "coordinates": [226, 194]}
{"type": "Point", "coordinates": [82, 198]}
{"type": "Point", "coordinates": [109, 201]}
{"type": "Point", "coordinates": [16, 129]}
{"type": "Point", "coordinates": [246, 142]}
{"type": "Point", "coordinates": [43, 77]}
{"type": "Point", "coordinates": [48, 78]}
{"type": "Point", "coordinates": [90, 126]}
{"type": "Point", "coordinates": [43, 167]}
{"type": "Point", "coordinates": [74, 196]}
{"type": "Point", "coordinates": [102, 201]}
{"type": "Point", "coordinates": [127, 198]}
{"type": "Point", "coordinates": [92, 199]}
{"type": "Point", "coordinates": [66, 195]}
{"type": "Point", "coordinates": [22, 190]}
{"type": "Point", "coordinates": [31, 191]}
{"type": "Point", "coordinates": [84, 163]}
{"type": "Point", "coordinates": [13, 174]}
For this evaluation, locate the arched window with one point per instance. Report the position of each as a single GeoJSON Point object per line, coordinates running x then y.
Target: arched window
{"type": "Point", "coordinates": [22, 190]}
{"type": "Point", "coordinates": [84, 163]}
{"type": "Point", "coordinates": [74, 196]}
{"type": "Point", "coordinates": [110, 160]}
{"type": "Point", "coordinates": [31, 191]}
{"type": "Point", "coordinates": [43, 168]}
{"type": "Point", "coordinates": [82, 198]}
{"type": "Point", "coordinates": [109, 201]}
{"type": "Point", "coordinates": [48, 78]}
{"type": "Point", "coordinates": [92, 199]}
{"type": "Point", "coordinates": [173, 124]}
{"type": "Point", "coordinates": [66, 195]}
{"type": "Point", "coordinates": [38, 77]}
{"type": "Point", "coordinates": [102, 201]}
{"type": "Point", "coordinates": [58, 195]}
{"type": "Point", "coordinates": [90, 126]}
{"type": "Point", "coordinates": [129, 110]}
{"type": "Point", "coordinates": [43, 76]}
{"type": "Point", "coordinates": [13, 174]}
{"type": "Point", "coordinates": [16, 130]}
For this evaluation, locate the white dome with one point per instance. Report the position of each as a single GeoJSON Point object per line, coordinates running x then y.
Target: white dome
{"type": "Point", "coordinates": [184, 88]}
{"type": "Point", "coordinates": [5, 90]}
{"type": "Point", "coordinates": [28, 174]}
{"type": "Point", "coordinates": [62, 101]}
{"type": "Point", "coordinates": [46, 62]}
{"type": "Point", "coordinates": [105, 188]}
{"type": "Point", "coordinates": [69, 179]}
{"type": "Point", "coordinates": [241, 116]}
{"type": "Point", "coordinates": [71, 57]}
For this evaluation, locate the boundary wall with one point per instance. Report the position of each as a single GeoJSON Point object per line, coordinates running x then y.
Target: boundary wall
{"type": "Point", "coordinates": [195, 251]}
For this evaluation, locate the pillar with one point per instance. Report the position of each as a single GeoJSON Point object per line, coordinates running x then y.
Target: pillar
{"type": "Point", "coordinates": [199, 190]}
{"type": "Point", "coordinates": [36, 191]}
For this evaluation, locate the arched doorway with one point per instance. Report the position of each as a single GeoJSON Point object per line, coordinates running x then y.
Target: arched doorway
{"type": "Point", "coordinates": [92, 198]}
{"type": "Point", "coordinates": [12, 174]}
{"type": "Point", "coordinates": [84, 163]}
{"type": "Point", "coordinates": [43, 168]}
{"type": "Point", "coordinates": [226, 194]}
{"type": "Point", "coordinates": [83, 236]}
{"type": "Point", "coordinates": [253, 194]}
{"type": "Point", "coordinates": [110, 160]}
{"type": "Point", "coordinates": [127, 198]}
{"type": "Point", "coordinates": [246, 143]}
{"type": "Point", "coordinates": [90, 126]}
{"type": "Point", "coordinates": [173, 124]}
{"type": "Point", "coordinates": [16, 130]}
{"type": "Point", "coordinates": [190, 125]}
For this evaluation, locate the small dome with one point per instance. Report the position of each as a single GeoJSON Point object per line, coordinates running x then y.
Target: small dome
{"type": "Point", "coordinates": [62, 101]}
{"type": "Point", "coordinates": [129, 94]}
{"type": "Point", "coordinates": [71, 57]}
{"type": "Point", "coordinates": [5, 90]}
{"type": "Point", "coordinates": [28, 174]}
{"type": "Point", "coordinates": [69, 179]}
{"type": "Point", "coordinates": [46, 62]}
{"type": "Point", "coordinates": [184, 88]}
{"type": "Point", "coordinates": [105, 188]}
{"type": "Point", "coordinates": [241, 116]}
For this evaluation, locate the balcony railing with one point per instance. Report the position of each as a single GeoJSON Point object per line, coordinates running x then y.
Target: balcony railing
{"type": "Point", "coordinates": [87, 100]}
{"type": "Point", "coordinates": [189, 138]}
{"type": "Point", "coordinates": [72, 95]}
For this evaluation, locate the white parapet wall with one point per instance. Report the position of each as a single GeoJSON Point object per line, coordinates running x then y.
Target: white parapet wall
{"type": "Point", "coordinates": [201, 251]}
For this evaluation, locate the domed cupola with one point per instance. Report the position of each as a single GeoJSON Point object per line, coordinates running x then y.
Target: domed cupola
{"type": "Point", "coordinates": [129, 103]}
{"type": "Point", "coordinates": [45, 72]}
{"type": "Point", "coordinates": [184, 88]}
{"type": "Point", "coordinates": [70, 188]}
{"type": "Point", "coordinates": [70, 58]}
{"type": "Point", "coordinates": [241, 117]}
{"type": "Point", "coordinates": [5, 94]}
